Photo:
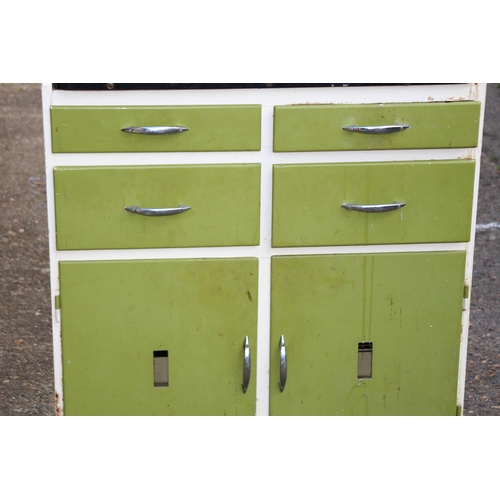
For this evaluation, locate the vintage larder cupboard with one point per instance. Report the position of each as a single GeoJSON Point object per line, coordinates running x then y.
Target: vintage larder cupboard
{"type": "Point", "coordinates": [261, 249]}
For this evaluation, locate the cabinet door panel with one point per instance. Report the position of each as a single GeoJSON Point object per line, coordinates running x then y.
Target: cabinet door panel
{"type": "Point", "coordinates": [115, 315]}
{"type": "Point", "coordinates": [408, 306]}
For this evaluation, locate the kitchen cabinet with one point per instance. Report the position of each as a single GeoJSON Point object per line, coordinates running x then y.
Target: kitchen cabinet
{"type": "Point", "coordinates": [261, 249]}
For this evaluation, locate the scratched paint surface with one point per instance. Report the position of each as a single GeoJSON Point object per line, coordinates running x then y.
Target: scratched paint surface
{"type": "Point", "coordinates": [407, 305]}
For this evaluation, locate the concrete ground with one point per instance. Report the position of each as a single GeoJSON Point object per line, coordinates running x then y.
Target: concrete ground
{"type": "Point", "coordinates": [26, 364]}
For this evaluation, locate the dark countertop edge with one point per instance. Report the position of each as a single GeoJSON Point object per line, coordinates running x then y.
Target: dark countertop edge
{"type": "Point", "coordinates": [198, 86]}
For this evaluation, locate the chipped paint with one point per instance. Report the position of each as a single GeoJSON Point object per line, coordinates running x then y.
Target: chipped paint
{"type": "Point", "coordinates": [313, 104]}
{"type": "Point", "coordinates": [474, 91]}
{"type": "Point", "coordinates": [58, 401]}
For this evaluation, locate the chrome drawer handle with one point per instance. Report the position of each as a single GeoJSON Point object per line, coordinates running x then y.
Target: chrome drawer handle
{"type": "Point", "coordinates": [379, 129]}
{"type": "Point", "coordinates": [246, 364]}
{"type": "Point", "coordinates": [283, 364]}
{"type": "Point", "coordinates": [151, 212]}
{"type": "Point", "coordinates": [155, 130]}
{"type": "Point", "coordinates": [388, 207]}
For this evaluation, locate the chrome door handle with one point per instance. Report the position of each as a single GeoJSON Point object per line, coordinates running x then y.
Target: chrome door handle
{"type": "Point", "coordinates": [246, 364]}
{"type": "Point", "coordinates": [155, 130]}
{"type": "Point", "coordinates": [388, 207]}
{"type": "Point", "coordinates": [378, 129]}
{"type": "Point", "coordinates": [151, 212]}
{"type": "Point", "coordinates": [283, 364]}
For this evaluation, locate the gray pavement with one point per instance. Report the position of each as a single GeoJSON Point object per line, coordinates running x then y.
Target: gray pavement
{"type": "Point", "coordinates": [26, 366]}
{"type": "Point", "coordinates": [482, 389]}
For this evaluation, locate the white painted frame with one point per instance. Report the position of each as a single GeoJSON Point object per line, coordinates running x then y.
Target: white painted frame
{"type": "Point", "coordinates": [268, 98]}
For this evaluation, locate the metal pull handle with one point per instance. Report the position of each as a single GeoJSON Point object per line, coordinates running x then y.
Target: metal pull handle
{"type": "Point", "coordinates": [388, 207]}
{"type": "Point", "coordinates": [283, 364]}
{"type": "Point", "coordinates": [151, 212]}
{"type": "Point", "coordinates": [155, 130]}
{"type": "Point", "coordinates": [246, 364]}
{"type": "Point", "coordinates": [378, 129]}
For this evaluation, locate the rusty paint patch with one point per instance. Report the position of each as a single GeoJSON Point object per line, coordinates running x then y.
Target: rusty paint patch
{"type": "Point", "coordinates": [456, 99]}
{"type": "Point", "coordinates": [59, 412]}
{"type": "Point", "coordinates": [474, 91]}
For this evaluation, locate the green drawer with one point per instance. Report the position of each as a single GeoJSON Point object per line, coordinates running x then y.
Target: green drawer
{"type": "Point", "coordinates": [431, 125]}
{"type": "Point", "coordinates": [90, 202]}
{"type": "Point", "coordinates": [96, 129]}
{"type": "Point", "coordinates": [307, 203]}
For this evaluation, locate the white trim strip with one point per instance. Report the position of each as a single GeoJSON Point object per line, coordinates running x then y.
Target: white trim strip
{"type": "Point", "coordinates": [264, 251]}
{"type": "Point", "coordinates": [194, 158]}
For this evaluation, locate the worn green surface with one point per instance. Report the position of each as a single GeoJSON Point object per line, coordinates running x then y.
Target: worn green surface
{"type": "Point", "coordinates": [116, 314]}
{"type": "Point", "coordinates": [90, 201]}
{"type": "Point", "coordinates": [319, 127]}
{"type": "Point", "coordinates": [408, 305]}
{"type": "Point", "coordinates": [92, 129]}
{"type": "Point", "coordinates": [307, 203]}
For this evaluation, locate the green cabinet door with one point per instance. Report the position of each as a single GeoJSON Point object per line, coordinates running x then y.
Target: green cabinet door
{"type": "Point", "coordinates": [158, 337]}
{"type": "Point", "coordinates": [368, 334]}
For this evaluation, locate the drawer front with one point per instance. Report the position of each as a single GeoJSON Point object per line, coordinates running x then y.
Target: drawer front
{"type": "Point", "coordinates": [90, 202]}
{"type": "Point", "coordinates": [81, 129]}
{"type": "Point", "coordinates": [431, 125]}
{"type": "Point", "coordinates": [307, 203]}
